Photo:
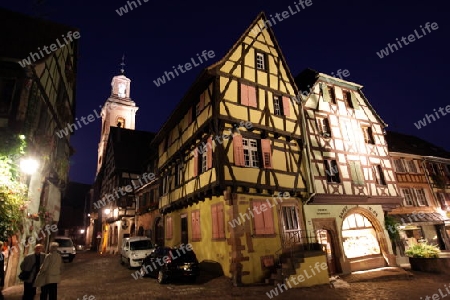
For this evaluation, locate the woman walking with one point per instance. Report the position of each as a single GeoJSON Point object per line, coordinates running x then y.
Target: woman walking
{"type": "Point", "coordinates": [50, 274]}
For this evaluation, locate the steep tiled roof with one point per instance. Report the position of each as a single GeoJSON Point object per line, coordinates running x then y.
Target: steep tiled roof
{"type": "Point", "coordinates": [131, 148]}
{"type": "Point", "coordinates": [399, 142]}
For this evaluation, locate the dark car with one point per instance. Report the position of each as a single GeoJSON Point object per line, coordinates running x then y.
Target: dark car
{"type": "Point", "coordinates": [171, 263]}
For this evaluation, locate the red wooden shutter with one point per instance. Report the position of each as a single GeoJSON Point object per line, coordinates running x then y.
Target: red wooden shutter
{"type": "Point", "coordinates": [209, 154]}
{"type": "Point", "coordinates": [252, 101]}
{"type": "Point", "coordinates": [196, 163]}
{"type": "Point", "coordinates": [196, 233]}
{"type": "Point", "coordinates": [220, 222]}
{"type": "Point", "coordinates": [268, 221]}
{"type": "Point", "coordinates": [259, 218]}
{"type": "Point", "coordinates": [189, 116]}
{"type": "Point", "coordinates": [267, 154]}
{"type": "Point", "coordinates": [238, 150]}
{"type": "Point", "coordinates": [286, 106]}
{"type": "Point", "coordinates": [202, 101]}
{"type": "Point", "coordinates": [244, 94]}
{"type": "Point", "coordinates": [214, 220]}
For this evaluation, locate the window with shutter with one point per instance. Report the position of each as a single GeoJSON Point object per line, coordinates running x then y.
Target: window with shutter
{"type": "Point", "coordinates": [196, 231]}
{"type": "Point", "coordinates": [238, 150]}
{"type": "Point", "coordinates": [263, 220]}
{"type": "Point", "coordinates": [331, 171]}
{"type": "Point", "coordinates": [286, 106]}
{"type": "Point", "coordinates": [379, 175]}
{"type": "Point", "coordinates": [169, 226]}
{"type": "Point", "coordinates": [356, 172]}
{"type": "Point", "coordinates": [267, 154]}
{"type": "Point", "coordinates": [217, 215]}
{"type": "Point", "coordinates": [277, 106]}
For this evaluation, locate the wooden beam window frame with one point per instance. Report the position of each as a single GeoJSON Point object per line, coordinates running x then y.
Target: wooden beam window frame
{"type": "Point", "coordinates": [261, 61]}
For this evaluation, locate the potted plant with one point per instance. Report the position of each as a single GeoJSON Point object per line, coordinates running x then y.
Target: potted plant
{"type": "Point", "coordinates": [425, 257]}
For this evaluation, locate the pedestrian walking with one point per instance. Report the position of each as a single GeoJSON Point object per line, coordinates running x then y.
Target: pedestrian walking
{"type": "Point", "coordinates": [50, 274]}
{"type": "Point", "coordinates": [31, 264]}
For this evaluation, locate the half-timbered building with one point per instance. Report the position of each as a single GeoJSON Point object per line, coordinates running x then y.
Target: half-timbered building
{"type": "Point", "coordinates": [230, 161]}
{"type": "Point", "coordinates": [353, 182]}
{"type": "Point", "coordinates": [423, 181]}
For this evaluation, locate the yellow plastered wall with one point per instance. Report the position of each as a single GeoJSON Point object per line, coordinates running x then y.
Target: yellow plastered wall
{"type": "Point", "coordinates": [206, 248]}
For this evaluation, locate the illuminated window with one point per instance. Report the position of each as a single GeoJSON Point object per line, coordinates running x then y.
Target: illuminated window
{"type": "Point", "coordinates": [120, 122]}
{"type": "Point", "coordinates": [359, 237]}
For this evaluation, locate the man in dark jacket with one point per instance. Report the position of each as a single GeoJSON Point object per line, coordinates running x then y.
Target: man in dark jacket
{"type": "Point", "coordinates": [32, 262]}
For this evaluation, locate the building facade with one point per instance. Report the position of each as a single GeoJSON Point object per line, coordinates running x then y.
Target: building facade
{"type": "Point", "coordinates": [353, 181]}
{"type": "Point", "coordinates": [422, 173]}
{"type": "Point", "coordinates": [230, 161]}
{"type": "Point", "coordinates": [37, 103]}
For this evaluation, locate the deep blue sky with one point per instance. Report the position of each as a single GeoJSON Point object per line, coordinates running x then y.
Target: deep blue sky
{"type": "Point", "coordinates": [327, 36]}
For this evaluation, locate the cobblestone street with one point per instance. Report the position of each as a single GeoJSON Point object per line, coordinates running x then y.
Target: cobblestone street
{"type": "Point", "coordinates": [104, 278]}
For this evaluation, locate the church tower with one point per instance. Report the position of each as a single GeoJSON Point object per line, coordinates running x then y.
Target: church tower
{"type": "Point", "coordinates": [119, 111]}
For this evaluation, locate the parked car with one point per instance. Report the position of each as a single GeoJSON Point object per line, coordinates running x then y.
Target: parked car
{"type": "Point", "coordinates": [171, 263]}
{"type": "Point", "coordinates": [134, 250]}
{"type": "Point", "coordinates": [66, 248]}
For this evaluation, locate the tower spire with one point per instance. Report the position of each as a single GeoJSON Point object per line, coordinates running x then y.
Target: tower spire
{"type": "Point", "coordinates": [122, 64]}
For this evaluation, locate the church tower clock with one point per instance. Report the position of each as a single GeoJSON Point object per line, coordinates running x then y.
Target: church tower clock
{"type": "Point", "coordinates": [118, 111]}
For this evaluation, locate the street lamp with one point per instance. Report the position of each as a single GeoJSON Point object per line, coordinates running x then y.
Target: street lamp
{"type": "Point", "coordinates": [29, 165]}
{"type": "Point", "coordinates": [107, 211]}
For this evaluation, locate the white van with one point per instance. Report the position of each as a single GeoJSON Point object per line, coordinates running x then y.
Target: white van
{"type": "Point", "coordinates": [66, 248]}
{"type": "Point", "coordinates": [135, 249]}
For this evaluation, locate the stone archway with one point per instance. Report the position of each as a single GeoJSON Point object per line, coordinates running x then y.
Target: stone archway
{"type": "Point", "coordinates": [384, 257]}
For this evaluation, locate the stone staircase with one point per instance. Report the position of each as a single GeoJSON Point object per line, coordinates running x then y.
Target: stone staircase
{"type": "Point", "coordinates": [289, 261]}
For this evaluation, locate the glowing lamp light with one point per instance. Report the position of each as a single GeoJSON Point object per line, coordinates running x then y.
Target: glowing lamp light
{"type": "Point", "coordinates": [81, 231]}
{"type": "Point", "coordinates": [107, 211]}
{"type": "Point", "coordinates": [29, 165]}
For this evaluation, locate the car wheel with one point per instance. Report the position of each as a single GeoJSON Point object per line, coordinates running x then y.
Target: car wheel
{"type": "Point", "coordinates": [161, 277]}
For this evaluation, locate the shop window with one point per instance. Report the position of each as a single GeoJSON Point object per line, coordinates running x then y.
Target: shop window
{"type": "Point", "coordinates": [217, 219]}
{"type": "Point", "coordinates": [359, 237]}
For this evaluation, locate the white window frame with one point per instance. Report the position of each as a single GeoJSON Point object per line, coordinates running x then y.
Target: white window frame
{"type": "Point", "coordinates": [421, 197]}
{"type": "Point", "coordinates": [408, 164]}
{"type": "Point", "coordinates": [260, 61]}
{"type": "Point", "coordinates": [399, 168]}
{"type": "Point", "coordinates": [277, 106]}
{"type": "Point", "coordinates": [410, 193]}
{"type": "Point", "coordinates": [251, 156]}
{"type": "Point", "coordinates": [204, 166]}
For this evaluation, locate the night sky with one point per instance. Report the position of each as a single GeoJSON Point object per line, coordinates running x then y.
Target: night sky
{"type": "Point", "coordinates": [326, 36]}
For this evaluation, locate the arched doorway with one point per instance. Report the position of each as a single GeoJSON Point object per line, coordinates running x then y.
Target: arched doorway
{"type": "Point", "coordinates": [159, 231]}
{"type": "Point", "coordinates": [360, 242]}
